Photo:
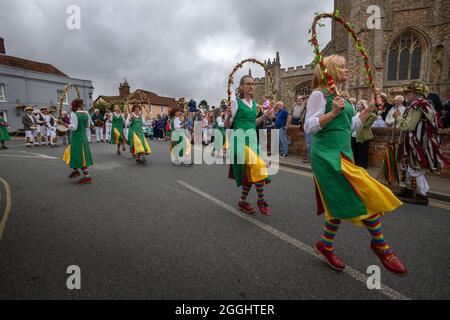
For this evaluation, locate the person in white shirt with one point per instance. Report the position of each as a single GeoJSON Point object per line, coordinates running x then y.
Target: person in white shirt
{"type": "Point", "coordinates": [43, 125]}
{"type": "Point", "coordinates": [30, 127]}
{"type": "Point", "coordinates": [52, 128]}
{"type": "Point", "coordinates": [108, 120]}
{"type": "Point", "coordinates": [344, 191]}
{"type": "Point", "coordinates": [398, 106]}
{"type": "Point", "coordinates": [88, 130]}
{"type": "Point", "coordinates": [205, 127]}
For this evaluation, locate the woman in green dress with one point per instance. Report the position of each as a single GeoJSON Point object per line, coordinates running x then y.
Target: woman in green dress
{"type": "Point", "coordinates": [78, 154]}
{"type": "Point", "coordinates": [136, 138]}
{"type": "Point", "coordinates": [220, 137]}
{"type": "Point", "coordinates": [344, 191]}
{"type": "Point", "coordinates": [4, 135]}
{"type": "Point", "coordinates": [117, 135]}
{"type": "Point", "coordinates": [180, 144]}
{"type": "Point", "coordinates": [247, 167]}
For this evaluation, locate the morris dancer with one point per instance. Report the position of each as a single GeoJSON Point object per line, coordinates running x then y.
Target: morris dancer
{"type": "Point", "coordinates": [78, 154]}
{"type": "Point", "coordinates": [220, 138]}
{"type": "Point", "coordinates": [51, 128]}
{"type": "Point", "coordinates": [4, 135]}
{"type": "Point", "coordinates": [117, 136]}
{"type": "Point", "coordinates": [180, 138]}
{"type": "Point", "coordinates": [344, 191]}
{"type": "Point", "coordinates": [108, 119]}
{"type": "Point", "coordinates": [247, 167]}
{"type": "Point", "coordinates": [30, 127]}
{"type": "Point", "coordinates": [42, 121]}
{"type": "Point", "coordinates": [136, 138]}
{"type": "Point", "coordinates": [419, 150]}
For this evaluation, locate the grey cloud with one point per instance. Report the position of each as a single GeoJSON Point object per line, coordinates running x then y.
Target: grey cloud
{"type": "Point", "coordinates": [172, 47]}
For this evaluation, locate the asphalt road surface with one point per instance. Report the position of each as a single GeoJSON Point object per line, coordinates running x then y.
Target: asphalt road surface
{"type": "Point", "coordinates": [162, 231]}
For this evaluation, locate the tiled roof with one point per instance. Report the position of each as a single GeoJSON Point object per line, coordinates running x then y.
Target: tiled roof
{"type": "Point", "coordinates": [15, 62]}
{"type": "Point", "coordinates": [143, 96]}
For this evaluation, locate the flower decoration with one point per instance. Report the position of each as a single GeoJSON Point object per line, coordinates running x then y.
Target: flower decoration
{"type": "Point", "coordinates": [239, 66]}
{"type": "Point", "coordinates": [66, 89]}
{"type": "Point", "coordinates": [319, 59]}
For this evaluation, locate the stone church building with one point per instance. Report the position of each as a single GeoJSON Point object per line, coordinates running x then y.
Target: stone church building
{"type": "Point", "coordinates": [413, 43]}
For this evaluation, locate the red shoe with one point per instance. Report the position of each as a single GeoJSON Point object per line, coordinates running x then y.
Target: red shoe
{"type": "Point", "coordinates": [333, 260]}
{"type": "Point", "coordinates": [246, 208]}
{"type": "Point", "coordinates": [264, 208]}
{"type": "Point", "coordinates": [85, 180]}
{"type": "Point", "coordinates": [389, 260]}
{"type": "Point", "coordinates": [74, 174]}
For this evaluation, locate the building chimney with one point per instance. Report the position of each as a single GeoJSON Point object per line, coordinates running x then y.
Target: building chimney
{"type": "Point", "coordinates": [2, 46]}
{"type": "Point", "coordinates": [124, 90]}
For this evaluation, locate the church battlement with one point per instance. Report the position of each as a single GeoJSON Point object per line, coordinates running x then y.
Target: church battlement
{"type": "Point", "coordinates": [296, 71]}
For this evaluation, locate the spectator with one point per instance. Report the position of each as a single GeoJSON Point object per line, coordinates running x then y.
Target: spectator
{"type": "Point", "coordinates": [398, 106]}
{"type": "Point", "coordinates": [354, 103]}
{"type": "Point", "coordinates": [380, 107]}
{"type": "Point", "coordinates": [297, 111]}
{"type": "Point", "coordinates": [446, 114]}
{"type": "Point", "coordinates": [386, 106]}
{"type": "Point", "coordinates": [282, 118]}
{"type": "Point", "coordinates": [436, 102]}
{"type": "Point", "coordinates": [308, 136]}
{"type": "Point", "coordinates": [362, 136]}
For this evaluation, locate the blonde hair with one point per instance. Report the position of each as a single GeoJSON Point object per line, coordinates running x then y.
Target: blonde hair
{"type": "Point", "coordinates": [333, 64]}
{"type": "Point", "coordinates": [364, 103]}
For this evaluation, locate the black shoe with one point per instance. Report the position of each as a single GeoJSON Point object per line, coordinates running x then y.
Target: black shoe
{"type": "Point", "coordinates": [405, 194]}
{"type": "Point", "coordinates": [418, 200]}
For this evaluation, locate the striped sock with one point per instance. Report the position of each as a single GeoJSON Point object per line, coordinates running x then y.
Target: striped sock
{"type": "Point", "coordinates": [260, 190]}
{"type": "Point", "coordinates": [329, 233]}
{"type": "Point", "coordinates": [373, 224]}
{"type": "Point", "coordinates": [245, 192]}
{"type": "Point", "coordinates": [85, 172]}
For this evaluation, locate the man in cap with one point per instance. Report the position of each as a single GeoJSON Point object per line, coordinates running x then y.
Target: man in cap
{"type": "Point", "coordinates": [419, 149]}
{"type": "Point", "coordinates": [44, 119]}
{"type": "Point", "coordinates": [30, 127]}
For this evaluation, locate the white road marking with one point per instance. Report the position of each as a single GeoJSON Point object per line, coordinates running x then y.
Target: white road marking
{"type": "Point", "coordinates": [385, 290]}
{"type": "Point", "coordinates": [34, 157]}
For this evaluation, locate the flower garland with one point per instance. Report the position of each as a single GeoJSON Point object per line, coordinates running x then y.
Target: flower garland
{"type": "Point", "coordinates": [67, 87]}
{"type": "Point", "coordinates": [131, 99]}
{"type": "Point", "coordinates": [319, 59]}
{"type": "Point", "coordinates": [239, 66]}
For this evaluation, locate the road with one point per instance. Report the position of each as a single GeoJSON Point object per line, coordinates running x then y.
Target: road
{"type": "Point", "coordinates": [162, 231]}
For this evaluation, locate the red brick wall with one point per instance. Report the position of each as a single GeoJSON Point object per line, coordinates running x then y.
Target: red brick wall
{"type": "Point", "coordinates": [377, 145]}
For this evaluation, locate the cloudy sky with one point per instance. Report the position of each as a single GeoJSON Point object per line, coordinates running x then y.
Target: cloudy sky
{"type": "Point", "coordinates": [177, 48]}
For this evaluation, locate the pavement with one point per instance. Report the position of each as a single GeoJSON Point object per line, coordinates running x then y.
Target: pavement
{"type": "Point", "coordinates": [440, 186]}
{"type": "Point", "coordinates": [162, 231]}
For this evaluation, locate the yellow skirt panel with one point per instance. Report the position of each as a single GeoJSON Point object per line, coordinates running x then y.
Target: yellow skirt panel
{"type": "Point", "coordinates": [376, 197]}
{"type": "Point", "coordinates": [139, 147]}
{"type": "Point", "coordinates": [255, 167]}
{"type": "Point", "coordinates": [66, 156]}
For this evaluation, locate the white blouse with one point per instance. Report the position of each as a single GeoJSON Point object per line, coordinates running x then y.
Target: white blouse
{"type": "Point", "coordinates": [316, 108]}
{"type": "Point", "coordinates": [73, 126]}
{"type": "Point", "coordinates": [177, 124]}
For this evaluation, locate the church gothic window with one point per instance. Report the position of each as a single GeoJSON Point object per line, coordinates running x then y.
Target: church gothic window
{"type": "Point", "coordinates": [303, 89]}
{"type": "Point", "coordinates": [405, 57]}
